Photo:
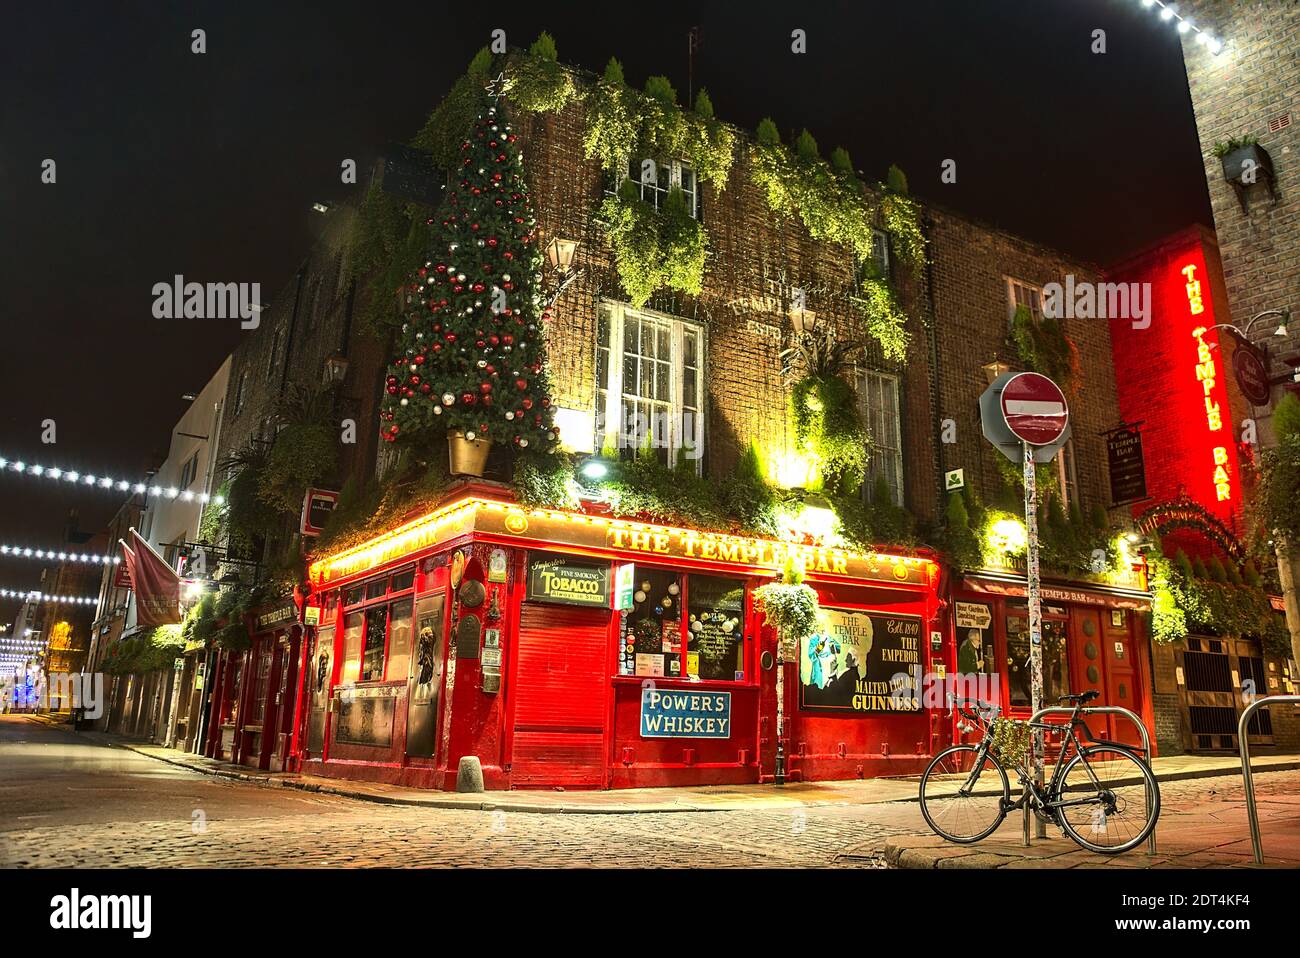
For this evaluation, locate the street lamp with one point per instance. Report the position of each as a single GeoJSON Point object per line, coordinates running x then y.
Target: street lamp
{"type": "Point", "coordinates": [336, 368]}
{"type": "Point", "coordinates": [560, 253]}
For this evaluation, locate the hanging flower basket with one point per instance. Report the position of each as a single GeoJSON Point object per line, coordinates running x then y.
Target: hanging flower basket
{"type": "Point", "coordinates": [792, 611]}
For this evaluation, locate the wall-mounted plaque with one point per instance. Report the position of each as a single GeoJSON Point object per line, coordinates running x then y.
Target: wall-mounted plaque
{"type": "Point", "coordinates": [468, 630]}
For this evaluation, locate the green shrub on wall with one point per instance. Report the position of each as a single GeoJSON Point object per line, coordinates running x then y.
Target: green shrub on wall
{"type": "Point", "coordinates": [654, 249]}
{"type": "Point", "coordinates": [828, 430]}
{"type": "Point", "coordinates": [537, 83]}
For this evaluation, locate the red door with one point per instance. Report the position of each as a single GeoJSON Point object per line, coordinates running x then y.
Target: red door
{"type": "Point", "coordinates": [560, 690]}
{"type": "Point", "coordinates": [1123, 686]}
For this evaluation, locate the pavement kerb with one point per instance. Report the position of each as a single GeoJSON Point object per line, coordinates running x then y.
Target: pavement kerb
{"type": "Point", "coordinates": [491, 804]}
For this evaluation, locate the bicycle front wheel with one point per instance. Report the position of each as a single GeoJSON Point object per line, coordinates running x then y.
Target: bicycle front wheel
{"type": "Point", "coordinates": [960, 802]}
{"type": "Point", "coordinates": [1112, 800]}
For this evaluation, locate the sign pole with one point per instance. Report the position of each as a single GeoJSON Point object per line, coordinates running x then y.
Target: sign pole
{"type": "Point", "coordinates": [780, 711]}
{"type": "Point", "coordinates": [1035, 619]}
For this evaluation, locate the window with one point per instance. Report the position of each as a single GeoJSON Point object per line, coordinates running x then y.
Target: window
{"type": "Point", "coordinates": [1067, 480]}
{"type": "Point", "coordinates": [1056, 675]}
{"type": "Point", "coordinates": [880, 252]}
{"type": "Point", "coordinates": [241, 391]}
{"type": "Point", "coordinates": [272, 361]}
{"type": "Point", "coordinates": [656, 183]}
{"type": "Point", "coordinates": [377, 637]}
{"type": "Point", "coordinates": [1023, 294]}
{"type": "Point", "coordinates": [399, 640]}
{"type": "Point", "coordinates": [189, 472]}
{"type": "Point", "coordinates": [354, 627]}
{"type": "Point", "coordinates": [650, 386]}
{"type": "Point", "coordinates": [878, 402]}
{"type": "Point", "coordinates": [707, 643]}
{"type": "Point", "coordinates": [715, 628]}
{"type": "Point", "coordinates": [372, 655]}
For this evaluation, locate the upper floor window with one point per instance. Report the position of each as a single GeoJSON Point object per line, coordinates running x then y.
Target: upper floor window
{"type": "Point", "coordinates": [656, 179]}
{"type": "Point", "coordinates": [880, 252]}
{"type": "Point", "coordinates": [189, 472]}
{"type": "Point", "coordinates": [878, 406]}
{"type": "Point", "coordinates": [1023, 294]}
{"type": "Point", "coordinates": [273, 359]}
{"type": "Point", "coordinates": [649, 384]}
{"type": "Point", "coordinates": [1066, 477]}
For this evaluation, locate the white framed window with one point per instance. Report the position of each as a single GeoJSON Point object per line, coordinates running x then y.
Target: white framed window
{"type": "Point", "coordinates": [880, 252]}
{"type": "Point", "coordinates": [878, 405]}
{"type": "Point", "coordinates": [1066, 477]}
{"type": "Point", "coordinates": [1020, 293]}
{"type": "Point", "coordinates": [649, 384]}
{"type": "Point", "coordinates": [655, 181]}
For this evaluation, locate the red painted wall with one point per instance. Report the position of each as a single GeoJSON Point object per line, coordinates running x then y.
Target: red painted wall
{"type": "Point", "coordinates": [1157, 373]}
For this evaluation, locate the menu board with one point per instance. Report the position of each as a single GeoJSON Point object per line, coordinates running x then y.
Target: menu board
{"type": "Point", "coordinates": [861, 662]}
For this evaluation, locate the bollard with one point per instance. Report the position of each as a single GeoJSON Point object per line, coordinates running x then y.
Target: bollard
{"type": "Point", "coordinates": [469, 774]}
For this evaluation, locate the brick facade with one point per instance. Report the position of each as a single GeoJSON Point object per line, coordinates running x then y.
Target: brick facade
{"type": "Point", "coordinates": [1253, 81]}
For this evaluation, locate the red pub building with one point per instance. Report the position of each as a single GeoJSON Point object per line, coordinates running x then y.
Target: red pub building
{"type": "Point", "coordinates": [575, 650]}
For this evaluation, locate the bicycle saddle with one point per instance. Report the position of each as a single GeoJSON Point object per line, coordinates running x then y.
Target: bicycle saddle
{"type": "Point", "coordinates": [1080, 697]}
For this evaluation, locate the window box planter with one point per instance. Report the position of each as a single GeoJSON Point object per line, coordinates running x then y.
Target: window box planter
{"type": "Point", "coordinates": [1251, 156]}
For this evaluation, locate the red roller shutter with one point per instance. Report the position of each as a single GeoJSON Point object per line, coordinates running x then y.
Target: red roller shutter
{"type": "Point", "coordinates": [560, 689]}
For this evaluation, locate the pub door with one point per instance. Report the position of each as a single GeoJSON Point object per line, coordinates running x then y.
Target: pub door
{"type": "Point", "coordinates": [1123, 679]}
{"type": "Point", "coordinates": [560, 691]}
{"type": "Point", "coordinates": [319, 669]}
{"type": "Point", "coordinates": [425, 677]}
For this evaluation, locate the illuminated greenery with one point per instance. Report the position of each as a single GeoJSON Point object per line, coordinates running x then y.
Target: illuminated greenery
{"type": "Point", "coordinates": [623, 123]}
{"type": "Point", "coordinates": [1279, 489]}
{"type": "Point", "coordinates": [1193, 596]}
{"type": "Point", "coordinates": [537, 83]}
{"type": "Point", "coordinates": [654, 249]}
{"type": "Point", "coordinates": [835, 205]}
{"type": "Point", "coordinates": [829, 431]}
{"type": "Point", "coordinates": [1044, 348]}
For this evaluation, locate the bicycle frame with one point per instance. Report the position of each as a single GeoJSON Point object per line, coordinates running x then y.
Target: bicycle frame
{"type": "Point", "coordinates": [1050, 800]}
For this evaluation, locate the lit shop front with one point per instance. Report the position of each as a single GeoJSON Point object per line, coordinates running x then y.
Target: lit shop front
{"type": "Point", "coordinates": [1094, 638]}
{"type": "Point", "coordinates": [566, 649]}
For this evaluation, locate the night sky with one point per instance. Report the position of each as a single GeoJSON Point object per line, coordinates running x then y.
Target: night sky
{"type": "Point", "coordinates": [207, 165]}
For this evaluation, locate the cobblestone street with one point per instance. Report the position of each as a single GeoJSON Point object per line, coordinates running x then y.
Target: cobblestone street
{"type": "Point", "coordinates": [67, 803]}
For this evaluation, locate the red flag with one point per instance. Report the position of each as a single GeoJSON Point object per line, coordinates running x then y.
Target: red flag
{"type": "Point", "coordinates": [156, 584]}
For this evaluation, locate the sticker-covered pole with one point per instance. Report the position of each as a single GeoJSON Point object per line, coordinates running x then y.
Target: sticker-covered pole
{"type": "Point", "coordinates": [780, 711]}
{"type": "Point", "coordinates": [1035, 619]}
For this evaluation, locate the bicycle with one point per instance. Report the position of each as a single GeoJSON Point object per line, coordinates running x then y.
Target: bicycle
{"type": "Point", "coordinates": [1104, 791]}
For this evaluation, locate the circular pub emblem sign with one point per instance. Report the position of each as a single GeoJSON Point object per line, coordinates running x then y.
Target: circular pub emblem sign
{"type": "Point", "coordinates": [516, 523]}
{"type": "Point", "coordinates": [1252, 377]}
{"type": "Point", "coordinates": [1034, 409]}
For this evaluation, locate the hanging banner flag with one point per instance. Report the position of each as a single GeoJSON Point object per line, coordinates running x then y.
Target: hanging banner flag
{"type": "Point", "coordinates": [156, 584]}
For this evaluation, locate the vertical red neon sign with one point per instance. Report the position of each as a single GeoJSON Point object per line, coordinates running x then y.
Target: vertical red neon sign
{"type": "Point", "coordinates": [1210, 389]}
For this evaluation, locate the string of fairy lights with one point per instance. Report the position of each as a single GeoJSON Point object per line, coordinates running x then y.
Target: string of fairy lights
{"type": "Point", "coordinates": [1169, 12]}
{"type": "Point", "coordinates": [36, 595]}
{"type": "Point", "coordinates": [93, 480]}
{"type": "Point", "coordinates": [52, 555]}
{"type": "Point", "coordinates": [84, 480]}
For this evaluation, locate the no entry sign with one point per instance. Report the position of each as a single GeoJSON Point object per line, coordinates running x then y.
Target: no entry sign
{"type": "Point", "coordinates": [1034, 409]}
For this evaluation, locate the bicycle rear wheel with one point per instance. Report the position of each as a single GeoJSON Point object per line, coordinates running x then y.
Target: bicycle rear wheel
{"type": "Point", "coordinates": [959, 806]}
{"type": "Point", "coordinates": [1118, 810]}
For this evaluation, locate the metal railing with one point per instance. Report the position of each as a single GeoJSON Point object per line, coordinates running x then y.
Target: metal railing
{"type": "Point", "coordinates": [1247, 778]}
{"type": "Point", "coordinates": [1095, 710]}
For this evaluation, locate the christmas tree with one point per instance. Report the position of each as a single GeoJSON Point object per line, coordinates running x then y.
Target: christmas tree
{"type": "Point", "coordinates": [472, 358]}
